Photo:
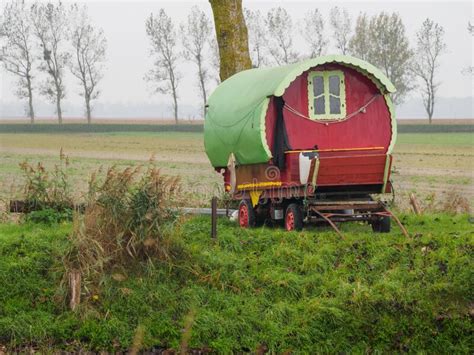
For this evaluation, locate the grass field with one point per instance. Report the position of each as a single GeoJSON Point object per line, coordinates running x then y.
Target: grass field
{"type": "Point", "coordinates": [264, 288]}
{"type": "Point", "coordinates": [308, 292]}
{"type": "Point", "coordinates": [429, 164]}
{"type": "Point", "coordinates": [107, 126]}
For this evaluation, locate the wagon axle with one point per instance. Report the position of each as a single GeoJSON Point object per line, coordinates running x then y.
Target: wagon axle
{"type": "Point", "coordinates": [296, 214]}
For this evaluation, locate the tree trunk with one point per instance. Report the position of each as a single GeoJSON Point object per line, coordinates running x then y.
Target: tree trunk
{"type": "Point", "coordinates": [58, 107]}
{"type": "Point", "coordinates": [31, 111]}
{"type": "Point", "coordinates": [430, 105]}
{"type": "Point", "coordinates": [203, 89]}
{"type": "Point", "coordinates": [232, 38]}
{"type": "Point", "coordinates": [175, 105]}
{"type": "Point", "coordinates": [88, 109]}
{"type": "Point", "coordinates": [74, 289]}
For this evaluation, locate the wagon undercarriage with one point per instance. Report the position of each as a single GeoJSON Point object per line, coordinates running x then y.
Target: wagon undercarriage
{"type": "Point", "coordinates": [294, 213]}
{"type": "Point", "coordinates": [374, 212]}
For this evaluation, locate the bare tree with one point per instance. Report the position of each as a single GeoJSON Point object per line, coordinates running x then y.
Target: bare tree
{"type": "Point", "coordinates": [232, 37]}
{"type": "Point", "coordinates": [383, 42]}
{"type": "Point", "coordinates": [195, 37]}
{"type": "Point", "coordinates": [17, 49]}
{"type": "Point", "coordinates": [51, 27]}
{"type": "Point", "coordinates": [341, 26]}
{"type": "Point", "coordinates": [313, 33]}
{"type": "Point", "coordinates": [164, 75]}
{"type": "Point", "coordinates": [360, 44]}
{"type": "Point", "coordinates": [430, 46]}
{"type": "Point", "coordinates": [257, 37]}
{"type": "Point", "coordinates": [89, 46]}
{"type": "Point", "coordinates": [280, 34]}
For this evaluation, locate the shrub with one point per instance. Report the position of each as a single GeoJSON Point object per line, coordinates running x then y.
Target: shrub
{"type": "Point", "coordinates": [49, 216]}
{"type": "Point", "coordinates": [128, 215]}
{"type": "Point", "coordinates": [45, 189]}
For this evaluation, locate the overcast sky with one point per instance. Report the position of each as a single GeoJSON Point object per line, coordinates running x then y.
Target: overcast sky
{"type": "Point", "coordinates": [128, 47]}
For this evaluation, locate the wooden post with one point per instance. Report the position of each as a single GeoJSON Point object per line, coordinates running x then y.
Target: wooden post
{"type": "Point", "coordinates": [214, 218]}
{"type": "Point", "coordinates": [414, 204]}
{"type": "Point", "coordinates": [74, 289]}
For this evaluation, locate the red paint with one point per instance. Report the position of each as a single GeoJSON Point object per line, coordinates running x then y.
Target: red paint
{"type": "Point", "coordinates": [370, 129]}
{"type": "Point", "coordinates": [290, 221]}
{"type": "Point", "coordinates": [364, 130]}
{"type": "Point", "coordinates": [243, 216]}
{"type": "Point", "coordinates": [345, 169]}
{"type": "Point", "coordinates": [352, 153]}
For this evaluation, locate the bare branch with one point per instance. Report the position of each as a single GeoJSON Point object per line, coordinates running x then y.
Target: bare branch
{"type": "Point", "coordinates": [341, 26]}
{"type": "Point", "coordinates": [258, 37]}
{"type": "Point", "coordinates": [430, 46]}
{"type": "Point", "coordinates": [50, 24]}
{"type": "Point", "coordinates": [17, 49]}
{"type": "Point", "coordinates": [382, 41]}
{"type": "Point", "coordinates": [164, 75]}
{"type": "Point", "coordinates": [313, 33]}
{"type": "Point", "coordinates": [280, 43]}
{"type": "Point", "coordinates": [195, 38]}
{"type": "Point", "coordinates": [89, 46]}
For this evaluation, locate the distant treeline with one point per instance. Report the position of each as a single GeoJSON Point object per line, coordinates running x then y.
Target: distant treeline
{"type": "Point", "coordinates": [437, 128]}
{"type": "Point", "coordinates": [126, 127]}
{"type": "Point", "coordinates": [98, 128]}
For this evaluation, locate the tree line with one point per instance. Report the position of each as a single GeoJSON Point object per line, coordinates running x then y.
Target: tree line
{"type": "Point", "coordinates": [380, 39]}
{"type": "Point", "coordinates": [50, 38]}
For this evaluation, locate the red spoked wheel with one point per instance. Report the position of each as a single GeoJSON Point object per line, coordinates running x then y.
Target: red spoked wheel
{"type": "Point", "coordinates": [293, 218]}
{"type": "Point", "coordinates": [290, 221]}
{"type": "Point", "coordinates": [247, 217]}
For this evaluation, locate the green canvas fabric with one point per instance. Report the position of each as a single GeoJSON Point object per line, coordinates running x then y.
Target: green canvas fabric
{"type": "Point", "coordinates": [235, 118]}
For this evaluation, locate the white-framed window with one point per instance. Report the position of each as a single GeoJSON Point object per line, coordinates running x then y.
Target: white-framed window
{"type": "Point", "coordinates": [326, 95]}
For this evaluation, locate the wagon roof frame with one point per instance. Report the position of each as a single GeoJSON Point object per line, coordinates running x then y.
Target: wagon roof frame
{"type": "Point", "coordinates": [278, 79]}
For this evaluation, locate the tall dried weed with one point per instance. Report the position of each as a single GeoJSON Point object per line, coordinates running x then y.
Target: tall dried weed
{"type": "Point", "coordinates": [128, 215]}
{"type": "Point", "coordinates": [451, 202]}
{"type": "Point", "coordinates": [454, 202]}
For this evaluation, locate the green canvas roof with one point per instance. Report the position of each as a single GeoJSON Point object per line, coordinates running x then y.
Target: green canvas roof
{"type": "Point", "coordinates": [235, 119]}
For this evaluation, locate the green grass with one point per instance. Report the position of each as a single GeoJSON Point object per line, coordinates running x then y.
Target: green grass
{"type": "Point", "coordinates": [307, 292]}
{"type": "Point", "coordinates": [450, 139]}
{"type": "Point", "coordinates": [97, 128]}
{"type": "Point", "coordinates": [184, 127]}
{"type": "Point", "coordinates": [435, 128]}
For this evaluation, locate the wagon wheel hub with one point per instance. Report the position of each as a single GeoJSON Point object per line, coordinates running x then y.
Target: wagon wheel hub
{"type": "Point", "coordinates": [244, 216]}
{"type": "Point", "coordinates": [290, 221]}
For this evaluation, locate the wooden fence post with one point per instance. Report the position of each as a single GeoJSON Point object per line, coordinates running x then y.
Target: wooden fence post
{"type": "Point", "coordinates": [74, 289]}
{"type": "Point", "coordinates": [214, 218]}
{"type": "Point", "coordinates": [414, 204]}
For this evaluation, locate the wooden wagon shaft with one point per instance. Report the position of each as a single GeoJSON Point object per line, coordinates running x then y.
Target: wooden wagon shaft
{"type": "Point", "coordinates": [323, 214]}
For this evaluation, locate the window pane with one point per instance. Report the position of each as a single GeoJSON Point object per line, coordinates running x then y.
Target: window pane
{"type": "Point", "coordinates": [334, 82]}
{"type": "Point", "coordinates": [319, 106]}
{"type": "Point", "coordinates": [318, 85]}
{"type": "Point", "coordinates": [334, 105]}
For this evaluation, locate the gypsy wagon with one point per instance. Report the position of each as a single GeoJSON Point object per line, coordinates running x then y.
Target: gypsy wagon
{"type": "Point", "coordinates": [310, 141]}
